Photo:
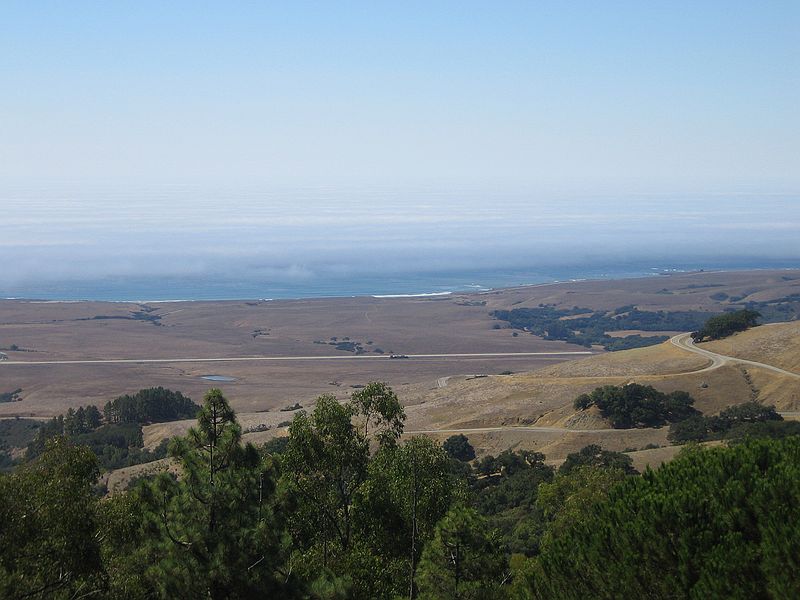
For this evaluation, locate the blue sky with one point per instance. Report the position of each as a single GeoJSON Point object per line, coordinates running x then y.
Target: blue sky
{"type": "Point", "coordinates": [652, 96]}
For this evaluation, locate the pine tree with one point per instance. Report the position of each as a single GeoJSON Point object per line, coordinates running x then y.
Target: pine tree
{"type": "Point", "coordinates": [464, 560]}
{"type": "Point", "coordinates": [70, 423]}
{"type": "Point", "coordinates": [80, 421]}
{"type": "Point", "coordinates": [92, 417]}
{"type": "Point", "coordinates": [214, 525]}
{"type": "Point", "coordinates": [712, 523]}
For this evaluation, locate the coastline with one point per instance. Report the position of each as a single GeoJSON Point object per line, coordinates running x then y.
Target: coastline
{"type": "Point", "coordinates": [425, 289]}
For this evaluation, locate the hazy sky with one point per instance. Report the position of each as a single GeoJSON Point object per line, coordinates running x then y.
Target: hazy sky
{"type": "Point", "coordinates": [343, 146]}
{"type": "Point", "coordinates": [660, 96]}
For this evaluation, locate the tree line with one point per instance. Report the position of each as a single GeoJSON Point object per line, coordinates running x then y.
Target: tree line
{"type": "Point", "coordinates": [151, 405]}
{"type": "Point", "coordinates": [750, 419]}
{"type": "Point", "coordinates": [587, 327]}
{"type": "Point", "coordinates": [345, 507]}
{"type": "Point", "coordinates": [115, 435]}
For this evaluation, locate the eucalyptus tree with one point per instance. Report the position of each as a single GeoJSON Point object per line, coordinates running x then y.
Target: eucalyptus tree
{"type": "Point", "coordinates": [325, 463]}
{"type": "Point", "coordinates": [410, 488]}
{"type": "Point", "coordinates": [377, 408]}
{"type": "Point", "coordinates": [48, 528]}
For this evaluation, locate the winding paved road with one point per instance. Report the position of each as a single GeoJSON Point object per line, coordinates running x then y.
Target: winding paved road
{"type": "Point", "coordinates": [685, 342]}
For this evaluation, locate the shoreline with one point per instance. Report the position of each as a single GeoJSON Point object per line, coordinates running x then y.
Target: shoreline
{"type": "Point", "coordinates": [474, 289]}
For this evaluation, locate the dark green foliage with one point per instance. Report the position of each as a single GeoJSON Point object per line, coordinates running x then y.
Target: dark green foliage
{"type": "Point", "coordinates": [715, 523]}
{"type": "Point", "coordinates": [359, 523]}
{"type": "Point", "coordinates": [591, 327]}
{"type": "Point", "coordinates": [766, 429]}
{"type": "Point", "coordinates": [49, 429]}
{"type": "Point", "coordinates": [633, 341]}
{"type": "Point", "coordinates": [119, 436]}
{"type": "Point", "coordinates": [377, 407]}
{"type": "Point", "coordinates": [126, 550]}
{"type": "Point", "coordinates": [636, 405]}
{"type": "Point", "coordinates": [342, 508]}
{"type": "Point", "coordinates": [92, 417]}
{"type": "Point", "coordinates": [727, 324]}
{"type": "Point", "coordinates": [509, 480]}
{"type": "Point", "coordinates": [152, 405]}
{"type": "Point", "coordinates": [737, 421]}
{"type": "Point", "coordinates": [118, 442]}
{"type": "Point", "coordinates": [594, 456]}
{"type": "Point", "coordinates": [463, 560]}
{"type": "Point", "coordinates": [214, 528]}
{"type": "Point", "coordinates": [695, 429]}
{"type": "Point", "coordinates": [780, 309]}
{"type": "Point", "coordinates": [750, 412]}
{"type": "Point", "coordinates": [350, 532]}
{"type": "Point", "coordinates": [458, 447]}
{"type": "Point", "coordinates": [16, 432]}
{"type": "Point", "coordinates": [10, 396]}
{"type": "Point", "coordinates": [325, 464]}
{"type": "Point", "coordinates": [6, 460]}
{"type": "Point", "coordinates": [350, 347]}
{"type": "Point", "coordinates": [409, 489]}
{"type": "Point", "coordinates": [48, 531]}
{"type": "Point", "coordinates": [571, 496]}
{"type": "Point", "coordinates": [115, 445]}
{"type": "Point", "coordinates": [276, 445]}
{"type": "Point", "coordinates": [118, 446]}
{"type": "Point", "coordinates": [81, 421]}
{"type": "Point", "coordinates": [505, 490]}
{"type": "Point", "coordinates": [145, 313]}
{"type": "Point", "coordinates": [546, 321]}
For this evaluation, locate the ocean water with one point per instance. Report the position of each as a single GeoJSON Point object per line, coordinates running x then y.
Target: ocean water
{"type": "Point", "coordinates": [161, 288]}
{"type": "Point", "coordinates": [181, 242]}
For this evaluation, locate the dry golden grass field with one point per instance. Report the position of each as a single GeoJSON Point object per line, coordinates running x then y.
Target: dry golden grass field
{"type": "Point", "coordinates": [519, 404]}
{"type": "Point", "coordinates": [441, 393]}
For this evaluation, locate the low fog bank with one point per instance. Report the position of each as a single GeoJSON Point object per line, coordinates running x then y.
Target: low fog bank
{"type": "Point", "coordinates": [300, 237]}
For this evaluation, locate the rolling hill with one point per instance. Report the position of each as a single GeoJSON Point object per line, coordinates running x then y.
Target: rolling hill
{"type": "Point", "coordinates": [534, 410]}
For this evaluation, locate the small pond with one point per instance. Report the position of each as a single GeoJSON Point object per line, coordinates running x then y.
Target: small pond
{"type": "Point", "coordinates": [217, 378]}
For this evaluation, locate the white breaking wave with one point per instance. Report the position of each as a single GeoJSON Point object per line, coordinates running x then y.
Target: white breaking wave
{"type": "Point", "coordinates": [411, 295]}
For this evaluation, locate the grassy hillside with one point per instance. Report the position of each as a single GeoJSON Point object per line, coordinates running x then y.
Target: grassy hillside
{"type": "Point", "coordinates": [777, 344]}
{"type": "Point", "coordinates": [544, 398]}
